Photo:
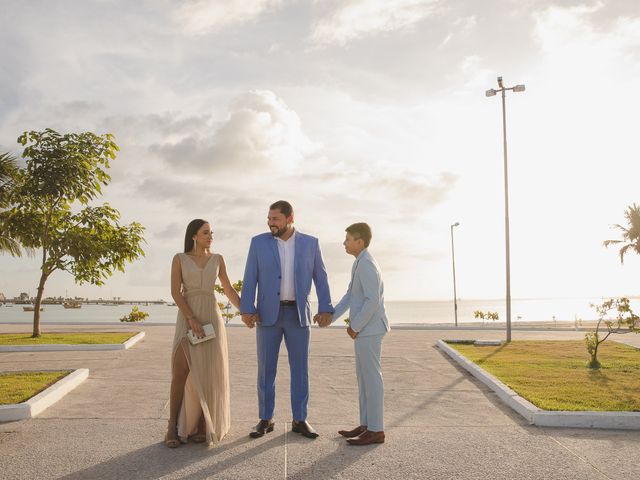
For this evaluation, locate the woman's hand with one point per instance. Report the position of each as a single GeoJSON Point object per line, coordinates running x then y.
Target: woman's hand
{"type": "Point", "coordinates": [196, 327]}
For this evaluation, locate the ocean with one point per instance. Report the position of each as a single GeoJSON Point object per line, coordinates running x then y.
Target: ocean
{"type": "Point", "coordinates": [399, 313]}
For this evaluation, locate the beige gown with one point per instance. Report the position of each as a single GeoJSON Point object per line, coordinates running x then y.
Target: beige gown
{"type": "Point", "coordinates": [207, 386]}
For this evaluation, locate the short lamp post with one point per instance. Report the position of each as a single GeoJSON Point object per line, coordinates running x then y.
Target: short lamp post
{"type": "Point", "coordinates": [490, 93]}
{"type": "Point", "coordinates": [453, 261]}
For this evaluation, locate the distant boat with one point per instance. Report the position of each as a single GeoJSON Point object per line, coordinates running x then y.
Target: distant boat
{"type": "Point", "coordinates": [172, 304]}
{"type": "Point", "coordinates": [71, 304]}
{"type": "Point", "coordinates": [31, 309]}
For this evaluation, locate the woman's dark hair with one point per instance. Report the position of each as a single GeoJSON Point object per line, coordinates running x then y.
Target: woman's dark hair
{"type": "Point", "coordinates": [192, 229]}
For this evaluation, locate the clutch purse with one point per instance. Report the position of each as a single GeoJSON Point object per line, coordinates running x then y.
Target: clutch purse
{"type": "Point", "coordinates": [209, 333]}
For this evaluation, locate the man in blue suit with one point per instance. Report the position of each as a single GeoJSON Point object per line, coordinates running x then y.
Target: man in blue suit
{"type": "Point", "coordinates": [368, 324]}
{"type": "Point", "coordinates": [281, 265]}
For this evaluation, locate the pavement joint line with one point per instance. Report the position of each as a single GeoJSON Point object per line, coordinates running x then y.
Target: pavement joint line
{"type": "Point", "coordinates": [579, 457]}
{"type": "Point", "coordinates": [61, 347]}
{"type": "Point", "coordinates": [43, 400]}
{"type": "Point", "coordinates": [537, 416]}
{"type": "Point", "coordinates": [285, 451]}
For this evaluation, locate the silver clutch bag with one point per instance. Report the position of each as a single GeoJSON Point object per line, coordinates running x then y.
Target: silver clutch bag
{"type": "Point", "coordinates": [209, 333]}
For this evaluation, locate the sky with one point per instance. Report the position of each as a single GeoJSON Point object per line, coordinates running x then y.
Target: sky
{"type": "Point", "coordinates": [352, 110]}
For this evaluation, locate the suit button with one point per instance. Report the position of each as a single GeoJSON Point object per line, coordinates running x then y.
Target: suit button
{"type": "Point", "coordinates": [278, 293]}
{"type": "Point", "coordinates": [279, 276]}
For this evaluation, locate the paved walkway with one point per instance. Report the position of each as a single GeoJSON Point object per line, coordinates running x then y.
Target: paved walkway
{"type": "Point", "coordinates": [440, 422]}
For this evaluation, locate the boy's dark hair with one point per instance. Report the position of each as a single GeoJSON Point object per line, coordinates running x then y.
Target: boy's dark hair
{"type": "Point", "coordinates": [360, 230]}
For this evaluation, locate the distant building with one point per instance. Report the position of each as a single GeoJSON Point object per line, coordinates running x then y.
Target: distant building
{"type": "Point", "coordinates": [2, 298]}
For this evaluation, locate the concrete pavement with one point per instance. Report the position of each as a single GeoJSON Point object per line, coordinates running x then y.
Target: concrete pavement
{"type": "Point", "coordinates": [440, 422]}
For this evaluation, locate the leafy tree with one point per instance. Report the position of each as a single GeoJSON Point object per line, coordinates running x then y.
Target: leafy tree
{"type": "Point", "coordinates": [64, 173]}
{"type": "Point", "coordinates": [8, 173]}
{"type": "Point", "coordinates": [225, 308]}
{"type": "Point", "coordinates": [493, 316]}
{"type": "Point", "coordinates": [630, 235]}
{"type": "Point", "coordinates": [625, 321]}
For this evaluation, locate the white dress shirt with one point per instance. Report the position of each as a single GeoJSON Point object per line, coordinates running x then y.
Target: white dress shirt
{"type": "Point", "coordinates": [287, 251]}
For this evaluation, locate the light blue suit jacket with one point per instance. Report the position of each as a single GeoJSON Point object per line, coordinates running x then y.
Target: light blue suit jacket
{"type": "Point", "coordinates": [263, 271]}
{"type": "Point", "coordinates": [365, 298]}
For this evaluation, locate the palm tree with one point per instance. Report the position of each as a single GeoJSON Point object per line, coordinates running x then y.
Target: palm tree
{"type": "Point", "coordinates": [630, 235]}
{"type": "Point", "coordinates": [8, 172]}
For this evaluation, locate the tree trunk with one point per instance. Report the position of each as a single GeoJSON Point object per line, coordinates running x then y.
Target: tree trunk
{"type": "Point", "coordinates": [594, 363]}
{"type": "Point", "coordinates": [36, 311]}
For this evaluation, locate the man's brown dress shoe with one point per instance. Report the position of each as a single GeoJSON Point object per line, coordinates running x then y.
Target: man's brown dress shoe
{"type": "Point", "coordinates": [356, 432]}
{"type": "Point", "coordinates": [263, 426]}
{"type": "Point", "coordinates": [304, 429]}
{"type": "Point", "coordinates": [367, 438]}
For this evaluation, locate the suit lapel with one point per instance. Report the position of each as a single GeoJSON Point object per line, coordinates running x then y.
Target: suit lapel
{"type": "Point", "coordinates": [274, 249]}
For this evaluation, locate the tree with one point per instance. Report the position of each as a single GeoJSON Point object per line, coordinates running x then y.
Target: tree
{"type": "Point", "coordinates": [8, 173]}
{"type": "Point", "coordinates": [225, 308]}
{"type": "Point", "coordinates": [49, 209]}
{"type": "Point", "coordinates": [625, 322]}
{"type": "Point", "coordinates": [630, 235]}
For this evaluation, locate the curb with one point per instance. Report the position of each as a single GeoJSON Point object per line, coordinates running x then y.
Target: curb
{"type": "Point", "coordinates": [538, 416]}
{"type": "Point", "coordinates": [68, 348]}
{"type": "Point", "coordinates": [37, 404]}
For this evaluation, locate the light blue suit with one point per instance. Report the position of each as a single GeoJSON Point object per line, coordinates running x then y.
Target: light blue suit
{"type": "Point", "coordinates": [264, 272]}
{"type": "Point", "coordinates": [365, 301]}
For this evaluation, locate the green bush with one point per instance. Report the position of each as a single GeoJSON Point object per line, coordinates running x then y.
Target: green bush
{"type": "Point", "coordinates": [135, 316]}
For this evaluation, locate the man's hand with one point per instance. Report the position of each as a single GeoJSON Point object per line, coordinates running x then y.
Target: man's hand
{"type": "Point", "coordinates": [352, 333]}
{"type": "Point", "coordinates": [250, 319]}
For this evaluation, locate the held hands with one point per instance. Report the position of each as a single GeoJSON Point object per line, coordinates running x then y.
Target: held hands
{"type": "Point", "coordinates": [352, 333]}
{"type": "Point", "coordinates": [250, 319]}
{"type": "Point", "coordinates": [323, 319]}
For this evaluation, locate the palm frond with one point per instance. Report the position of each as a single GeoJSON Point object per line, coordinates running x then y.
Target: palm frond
{"type": "Point", "coordinates": [10, 246]}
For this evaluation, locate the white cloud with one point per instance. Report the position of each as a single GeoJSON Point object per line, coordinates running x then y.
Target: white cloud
{"type": "Point", "coordinates": [198, 17]}
{"type": "Point", "coordinates": [260, 131]}
{"type": "Point", "coordinates": [362, 18]}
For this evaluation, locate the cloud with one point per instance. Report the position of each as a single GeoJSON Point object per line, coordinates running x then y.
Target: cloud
{"type": "Point", "coordinates": [198, 17]}
{"type": "Point", "coordinates": [362, 18]}
{"type": "Point", "coordinates": [259, 132]}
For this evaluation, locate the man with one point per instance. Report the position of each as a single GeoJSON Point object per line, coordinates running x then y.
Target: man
{"type": "Point", "coordinates": [281, 264]}
{"type": "Point", "coordinates": [368, 325]}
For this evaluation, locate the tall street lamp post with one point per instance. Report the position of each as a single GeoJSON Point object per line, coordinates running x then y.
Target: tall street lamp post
{"type": "Point", "coordinates": [453, 260]}
{"type": "Point", "coordinates": [490, 93]}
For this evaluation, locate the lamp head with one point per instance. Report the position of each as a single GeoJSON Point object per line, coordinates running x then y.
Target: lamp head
{"type": "Point", "coordinates": [500, 82]}
{"type": "Point", "coordinates": [455, 224]}
{"type": "Point", "coordinates": [490, 93]}
{"type": "Point", "coordinates": [518, 88]}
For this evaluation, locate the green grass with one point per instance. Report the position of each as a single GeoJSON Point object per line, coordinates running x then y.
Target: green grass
{"type": "Point", "coordinates": [553, 374]}
{"type": "Point", "coordinates": [21, 386]}
{"type": "Point", "coordinates": [89, 338]}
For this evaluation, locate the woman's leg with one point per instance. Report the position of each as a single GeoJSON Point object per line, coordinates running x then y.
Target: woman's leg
{"type": "Point", "coordinates": [179, 372]}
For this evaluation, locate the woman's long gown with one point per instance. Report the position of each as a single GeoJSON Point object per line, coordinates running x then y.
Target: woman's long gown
{"type": "Point", "coordinates": [207, 385]}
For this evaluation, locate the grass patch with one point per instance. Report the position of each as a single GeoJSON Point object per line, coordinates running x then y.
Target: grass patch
{"type": "Point", "coordinates": [553, 374]}
{"type": "Point", "coordinates": [21, 386]}
{"type": "Point", "coordinates": [89, 338]}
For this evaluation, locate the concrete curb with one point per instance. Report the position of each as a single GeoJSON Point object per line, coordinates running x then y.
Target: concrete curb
{"type": "Point", "coordinates": [68, 348]}
{"type": "Point", "coordinates": [37, 404]}
{"type": "Point", "coordinates": [537, 416]}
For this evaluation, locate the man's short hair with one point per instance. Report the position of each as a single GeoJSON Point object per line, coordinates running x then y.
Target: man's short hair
{"type": "Point", "coordinates": [360, 230]}
{"type": "Point", "coordinates": [285, 207]}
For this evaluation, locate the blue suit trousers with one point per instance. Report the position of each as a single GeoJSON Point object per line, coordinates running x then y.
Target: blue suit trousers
{"type": "Point", "coordinates": [296, 339]}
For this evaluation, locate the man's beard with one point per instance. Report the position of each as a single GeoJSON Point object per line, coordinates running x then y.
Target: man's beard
{"type": "Point", "coordinates": [279, 232]}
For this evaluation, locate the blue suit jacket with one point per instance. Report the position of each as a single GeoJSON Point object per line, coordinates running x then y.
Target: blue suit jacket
{"type": "Point", "coordinates": [365, 298]}
{"type": "Point", "coordinates": [263, 271]}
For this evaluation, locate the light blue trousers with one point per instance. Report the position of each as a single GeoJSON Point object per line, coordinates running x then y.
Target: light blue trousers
{"type": "Point", "coordinates": [269, 339]}
{"type": "Point", "coordinates": [370, 385]}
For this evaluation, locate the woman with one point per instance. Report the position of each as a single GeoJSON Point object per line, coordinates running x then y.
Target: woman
{"type": "Point", "coordinates": [199, 398]}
